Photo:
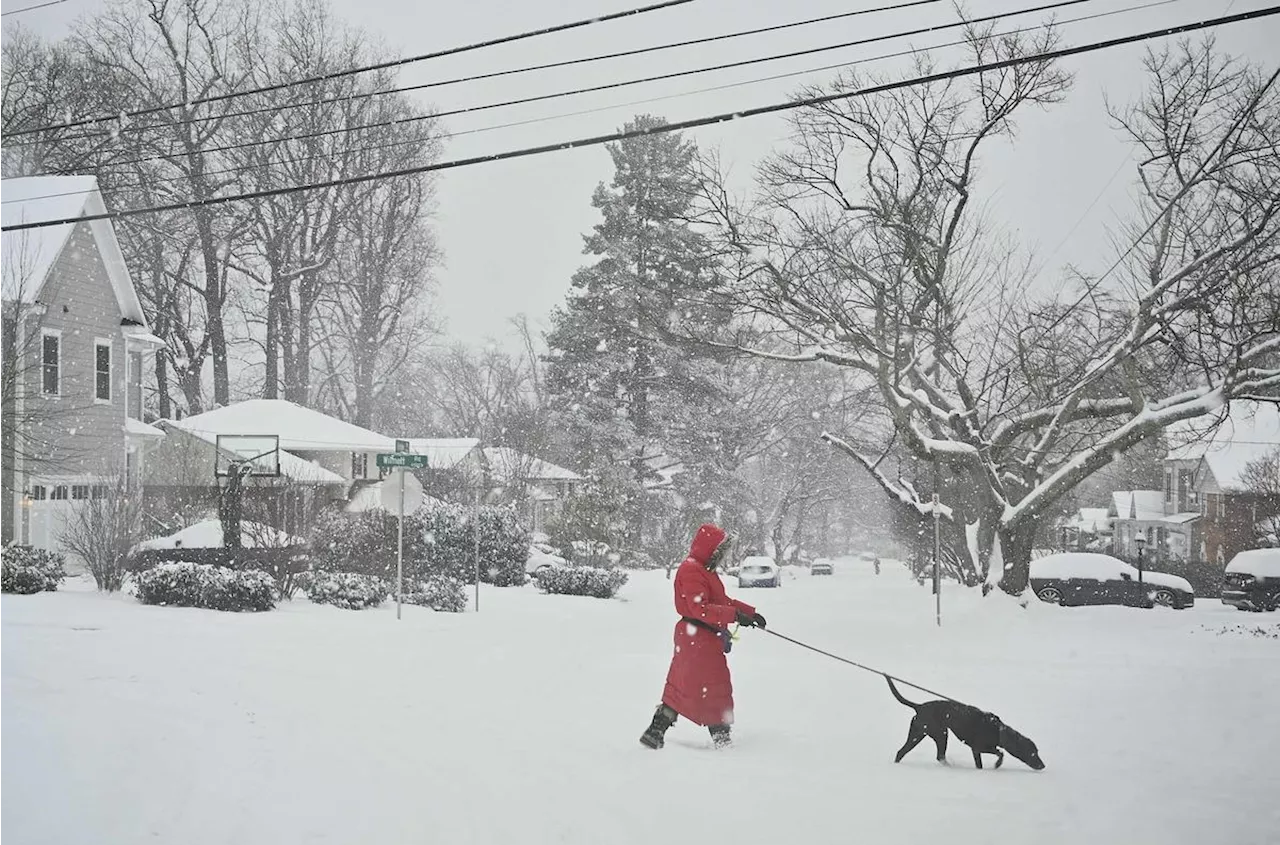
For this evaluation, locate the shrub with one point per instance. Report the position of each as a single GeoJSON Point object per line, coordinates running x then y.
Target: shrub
{"type": "Point", "coordinates": [443, 593]}
{"type": "Point", "coordinates": [504, 548]}
{"type": "Point", "coordinates": [28, 570]}
{"type": "Point", "coordinates": [187, 584]}
{"type": "Point", "coordinates": [348, 590]}
{"type": "Point", "coordinates": [581, 581]}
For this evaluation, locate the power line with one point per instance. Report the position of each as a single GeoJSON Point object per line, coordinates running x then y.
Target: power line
{"type": "Point", "coordinates": [626, 83]}
{"type": "Point", "coordinates": [529, 68]}
{"type": "Point", "coordinates": [492, 42]}
{"type": "Point", "coordinates": [693, 123]}
{"type": "Point", "coordinates": [30, 8]}
{"type": "Point", "coordinates": [613, 106]}
{"type": "Point", "coordinates": [634, 103]}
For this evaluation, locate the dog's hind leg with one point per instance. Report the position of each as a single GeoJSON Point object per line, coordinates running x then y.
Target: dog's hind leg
{"type": "Point", "coordinates": [915, 735]}
{"type": "Point", "coordinates": [939, 737]}
{"type": "Point", "coordinates": [999, 758]}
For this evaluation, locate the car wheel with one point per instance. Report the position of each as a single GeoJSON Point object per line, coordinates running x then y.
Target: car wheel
{"type": "Point", "coordinates": [1051, 595]}
{"type": "Point", "coordinates": [1164, 598]}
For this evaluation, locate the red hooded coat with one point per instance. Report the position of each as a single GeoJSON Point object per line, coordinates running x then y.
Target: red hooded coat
{"type": "Point", "coordinates": [698, 684]}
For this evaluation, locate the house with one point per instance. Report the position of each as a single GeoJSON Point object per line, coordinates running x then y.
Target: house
{"type": "Point", "coordinates": [1134, 514]}
{"type": "Point", "coordinates": [322, 459]}
{"type": "Point", "coordinates": [1088, 528]}
{"type": "Point", "coordinates": [1229, 503]}
{"type": "Point", "coordinates": [75, 337]}
{"type": "Point", "coordinates": [455, 466]}
{"type": "Point", "coordinates": [538, 488]}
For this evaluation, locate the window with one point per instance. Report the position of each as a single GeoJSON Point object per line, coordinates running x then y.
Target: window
{"type": "Point", "coordinates": [99, 491]}
{"type": "Point", "coordinates": [1222, 505]}
{"type": "Point", "coordinates": [359, 465]}
{"type": "Point", "coordinates": [59, 493]}
{"type": "Point", "coordinates": [135, 385]}
{"type": "Point", "coordinates": [39, 492]}
{"type": "Point", "coordinates": [79, 491]}
{"type": "Point", "coordinates": [102, 370]}
{"type": "Point", "coordinates": [1168, 486]}
{"type": "Point", "coordinates": [50, 363]}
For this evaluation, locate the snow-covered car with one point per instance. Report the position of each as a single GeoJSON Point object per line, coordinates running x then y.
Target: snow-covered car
{"type": "Point", "coordinates": [759, 572]}
{"type": "Point", "coordinates": [542, 557]}
{"type": "Point", "coordinates": [1080, 578]}
{"type": "Point", "coordinates": [822, 566]}
{"type": "Point", "coordinates": [1252, 580]}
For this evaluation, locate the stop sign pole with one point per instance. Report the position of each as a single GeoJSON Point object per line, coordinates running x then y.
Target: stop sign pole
{"type": "Point", "coordinates": [402, 461]}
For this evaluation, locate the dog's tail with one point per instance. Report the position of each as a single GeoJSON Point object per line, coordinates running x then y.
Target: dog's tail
{"type": "Point", "coordinates": [898, 695]}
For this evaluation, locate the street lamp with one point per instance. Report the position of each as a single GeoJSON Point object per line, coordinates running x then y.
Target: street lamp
{"type": "Point", "coordinates": [1140, 541]}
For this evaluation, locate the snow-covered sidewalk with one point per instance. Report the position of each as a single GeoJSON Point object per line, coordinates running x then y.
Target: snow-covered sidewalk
{"type": "Point", "coordinates": [128, 724]}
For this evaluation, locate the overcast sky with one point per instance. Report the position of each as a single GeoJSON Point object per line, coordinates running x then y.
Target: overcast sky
{"type": "Point", "coordinates": [512, 231]}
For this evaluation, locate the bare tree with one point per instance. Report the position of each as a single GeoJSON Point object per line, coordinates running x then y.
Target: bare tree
{"type": "Point", "coordinates": [104, 529]}
{"type": "Point", "coordinates": [1261, 478]}
{"type": "Point", "coordinates": [866, 246]}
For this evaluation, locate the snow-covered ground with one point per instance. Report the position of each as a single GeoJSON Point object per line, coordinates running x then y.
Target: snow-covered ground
{"type": "Point", "coordinates": [131, 724]}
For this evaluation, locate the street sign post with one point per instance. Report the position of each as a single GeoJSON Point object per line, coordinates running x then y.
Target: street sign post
{"type": "Point", "coordinates": [401, 460]}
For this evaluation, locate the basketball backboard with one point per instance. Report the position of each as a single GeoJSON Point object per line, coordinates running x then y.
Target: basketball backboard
{"type": "Point", "coordinates": [260, 451]}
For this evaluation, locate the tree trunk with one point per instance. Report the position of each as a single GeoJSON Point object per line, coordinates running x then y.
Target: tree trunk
{"type": "Point", "coordinates": [213, 309]}
{"type": "Point", "coordinates": [162, 385]}
{"type": "Point", "coordinates": [1016, 543]}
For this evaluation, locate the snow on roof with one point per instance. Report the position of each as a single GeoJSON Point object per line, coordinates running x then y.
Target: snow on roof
{"type": "Point", "coordinates": [137, 428]}
{"type": "Point", "coordinates": [299, 428]}
{"type": "Point", "coordinates": [443, 452]}
{"type": "Point", "coordinates": [1138, 504]}
{"type": "Point", "coordinates": [1181, 518]}
{"type": "Point", "coordinates": [30, 254]}
{"type": "Point", "coordinates": [507, 463]}
{"type": "Point", "coordinates": [1263, 563]}
{"type": "Point", "coordinates": [1250, 431]}
{"type": "Point", "coordinates": [1092, 520]}
{"type": "Point", "coordinates": [292, 466]}
{"type": "Point", "coordinates": [368, 497]}
{"type": "Point", "coordinates": [208, 535]}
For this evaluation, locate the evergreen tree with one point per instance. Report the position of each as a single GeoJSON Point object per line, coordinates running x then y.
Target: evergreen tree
{"type": "Point", "coordinates": [617, 371]}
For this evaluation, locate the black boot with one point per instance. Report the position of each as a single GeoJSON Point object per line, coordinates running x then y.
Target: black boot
{"type": "Point", "coordinates": [720, 736]}
{"type": "Point", "coordinates": [663, 718]}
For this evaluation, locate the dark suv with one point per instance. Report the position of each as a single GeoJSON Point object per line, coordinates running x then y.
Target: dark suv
{"type": "Point", "coordinates": [1252, 580]}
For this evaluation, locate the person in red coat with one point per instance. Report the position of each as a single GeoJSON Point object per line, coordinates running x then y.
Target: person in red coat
{"type": "Point", "coordinates": [698, 684]}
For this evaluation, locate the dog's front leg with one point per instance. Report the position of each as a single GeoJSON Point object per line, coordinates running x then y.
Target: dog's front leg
{"type": "Point", "coordinates": [940, 740]}
{"type": "Point", "coordinates": [977, 758]}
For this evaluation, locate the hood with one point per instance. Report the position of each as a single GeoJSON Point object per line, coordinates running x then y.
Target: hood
{"type": "Point", "coordinates": [706, 541]}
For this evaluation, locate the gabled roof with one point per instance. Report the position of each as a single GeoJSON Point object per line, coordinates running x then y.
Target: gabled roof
{"type": "Point", "coordinates": [299, 429]}
{"type": "Point", "coordinates": [443, 452]}
{"type": "Point", "coordinates": [29, 255]}
{"type": "Point", "coordinates": [1137, 504]}
{"type": "Point", "coordinates": [507, 464]}
{"type": "Point", "coordinates": [1250, 431]}
{"type": "Point", "coordinates": [292, 466]}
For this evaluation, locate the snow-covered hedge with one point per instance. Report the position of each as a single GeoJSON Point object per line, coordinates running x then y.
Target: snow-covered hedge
{"type": "Point", "coordinates": [439, 542]}
{"type": "Point", "coordinates": [27, 570]}
{"type": "Point", "coordinates": [186, 584]}
{"type": "Point", "coordinates": [348, 590]}
{"type": "Point", "coordinates": [443, 593]}
{"type": "Point", "coordinates": [581, 581]}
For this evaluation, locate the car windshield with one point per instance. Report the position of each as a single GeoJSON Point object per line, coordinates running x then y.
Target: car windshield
{"type": "Point", "coordinates": [756, 570]}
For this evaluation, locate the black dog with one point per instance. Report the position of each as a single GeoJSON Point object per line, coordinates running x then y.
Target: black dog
{"type": "Point", "coordinates": [983, 732]}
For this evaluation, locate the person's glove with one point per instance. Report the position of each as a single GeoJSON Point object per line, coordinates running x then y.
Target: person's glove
{"type": "Point", "coordinates": [751, 620]}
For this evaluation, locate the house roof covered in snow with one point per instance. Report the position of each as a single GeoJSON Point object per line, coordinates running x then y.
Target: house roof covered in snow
{"type": "Point", "coordinates": [1091, 520]}
{"type": "Point", "coordinates": [292, 466]}
{"type": "Point", "coordinates": [507, 464]}
{"type": "Point", "coordinates": [1250, 430]}
{"type": "Point", "coordinates": [299, 429]}
{"type": "Point", "coordinates": [30, 254]}
{"type": "Point", "coordinates": [1137, 504]}
{"type": "Point", "coordinates": [443, 452]}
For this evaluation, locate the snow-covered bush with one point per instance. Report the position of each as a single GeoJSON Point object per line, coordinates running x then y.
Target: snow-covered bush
{"type": "Point", "coordinates": [348, 590]}
{"type": "Point", "coordinates": [443, 593]}
{"type": "Point", "coordinates": [363, 543]}
{"type": "Point", "coordinates": [504, 548]}
{"type": "Point", "coordinates": [186, 584]}
{"type": "Point", "coordinates": [28, 570]}
{"type": "Point", "coordinates": [581, 581]}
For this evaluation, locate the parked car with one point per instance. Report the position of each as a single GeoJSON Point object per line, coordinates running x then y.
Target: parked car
{"type": "Point", "coordinates": [1252, 580]}
{"type": "Point", "coordinates": [759, 572]}
{"type": "Point", "coordinates": [1079, 578]}
{"type": "Point", "coordinates": [822, 566]}
{"type": "Point", "coordinates": [543, 556]}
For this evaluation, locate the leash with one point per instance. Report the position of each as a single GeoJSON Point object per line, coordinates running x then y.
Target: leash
{"type": "Point", "coordinates": [861, 666]}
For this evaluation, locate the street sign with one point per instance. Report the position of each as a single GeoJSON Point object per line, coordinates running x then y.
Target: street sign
{"type": "Point", "coordinates": [402, 445]}
{"type": "Point", "coordinates": [401, 460]}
